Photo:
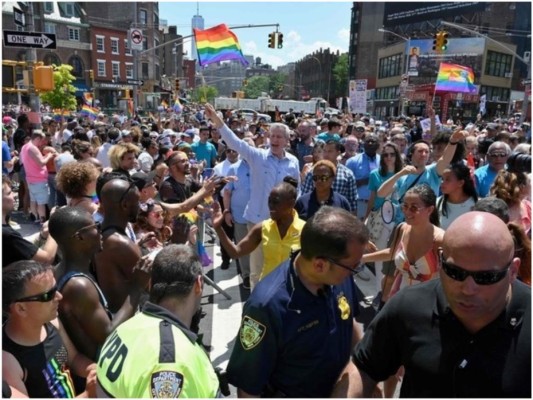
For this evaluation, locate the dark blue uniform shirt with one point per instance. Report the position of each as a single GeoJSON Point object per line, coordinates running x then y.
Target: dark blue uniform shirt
{"type": "Point", "coordinates": [292, 341]}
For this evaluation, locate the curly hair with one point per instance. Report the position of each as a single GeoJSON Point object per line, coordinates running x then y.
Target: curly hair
{"type": "Point", "coordinates": [118, 151]}
{"type": "Point", "coordinates": [508, 186]}
{"type": "Point", "coordinates": [522, 246]}
{"type": "Point", "coordinates": [142, 223]}
{"type": "Point", "coordinates": [73, 178]}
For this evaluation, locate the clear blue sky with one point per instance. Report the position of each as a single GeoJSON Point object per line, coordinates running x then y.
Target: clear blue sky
{"type": "Point", "coordinates": [306, 26]}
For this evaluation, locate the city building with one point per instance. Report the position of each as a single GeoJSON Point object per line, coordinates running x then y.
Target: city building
{"type": "Point", "coordinates": [379, 49]}
{"type": "Point", "coordinates": [198, 23]}
{"type": "Point", "coordinates": [314, 76]}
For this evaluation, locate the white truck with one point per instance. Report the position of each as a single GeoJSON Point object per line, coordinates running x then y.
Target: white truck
{"type": "Point", "coordinates": [268, 105]}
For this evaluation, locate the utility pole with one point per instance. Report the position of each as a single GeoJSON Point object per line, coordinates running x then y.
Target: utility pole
{"type": "Point", "coordinates": [525, 61]}
{"type": "Point", "coordinates": [31, 59]}
{"type": "Point", "coordinates": [135, 63]}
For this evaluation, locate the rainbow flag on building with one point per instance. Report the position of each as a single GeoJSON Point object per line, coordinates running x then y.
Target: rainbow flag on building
{"type": "Point", "coordinates": [177, 107]}
{"type": "Point", "coordinates": [89, 111]}
{"type": "Point", "coordinates": [455, 78]}
{"type": "Point", "coordinates": [217, 44]}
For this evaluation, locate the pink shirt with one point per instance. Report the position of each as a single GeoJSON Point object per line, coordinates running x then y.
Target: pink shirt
{"type": "Point", "coordinates": [34, 172]}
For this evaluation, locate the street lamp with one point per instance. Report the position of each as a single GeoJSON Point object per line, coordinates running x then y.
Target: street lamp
{"type": "Point", "coordinates": [406, 62]}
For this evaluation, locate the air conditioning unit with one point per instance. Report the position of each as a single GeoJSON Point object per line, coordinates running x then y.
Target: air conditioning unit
{"type": "Point", "coordinates": [508, 74]}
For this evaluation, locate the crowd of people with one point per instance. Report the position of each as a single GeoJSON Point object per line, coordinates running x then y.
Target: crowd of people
{"type": "Point", "coordinates": [109, 289]}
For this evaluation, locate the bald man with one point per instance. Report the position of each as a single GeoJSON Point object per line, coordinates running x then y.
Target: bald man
{"type": "Point", "coordinates": [467, 334]}
{"type": "Point", "coordinates": [114, 264]}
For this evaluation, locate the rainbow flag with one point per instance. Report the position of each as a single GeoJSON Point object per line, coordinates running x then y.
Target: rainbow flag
{"type": "Point", "coordinates": [177, 107]}
{"type": "Point", "coordinates": [131, 108]}
{"type": "Point", "coordinates": [455, 78]}
{"type": "Point", "coordinates": [59, 114]}
{"type": "Point", "coordinates": [217, 44]}
{"type": "Point", "coordinates": [88, 98]}
{"type": "Point", "coordinates": [89, 111]}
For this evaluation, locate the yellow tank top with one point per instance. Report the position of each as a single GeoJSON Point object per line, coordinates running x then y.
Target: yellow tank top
{"type": "Point", "coordinates": [275, 248]}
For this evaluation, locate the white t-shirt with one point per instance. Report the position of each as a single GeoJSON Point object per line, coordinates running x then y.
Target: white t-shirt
{"type": "Point", "coordinates": [453, 211]}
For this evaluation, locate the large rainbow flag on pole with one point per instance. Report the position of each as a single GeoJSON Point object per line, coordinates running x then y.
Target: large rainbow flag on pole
{"type": "Point", "coordinates": [217, 44]}
{"type": "Point", "coordinates": [455, 78]}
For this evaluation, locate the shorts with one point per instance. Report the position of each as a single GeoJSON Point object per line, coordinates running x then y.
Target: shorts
{"type": "Point", "coordinates": [39, 192]}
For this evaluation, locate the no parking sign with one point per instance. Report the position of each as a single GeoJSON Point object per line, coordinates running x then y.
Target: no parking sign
{"type": "Point", "coordinates": [136, 39]}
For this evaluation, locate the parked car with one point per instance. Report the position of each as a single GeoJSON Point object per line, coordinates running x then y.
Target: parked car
{"type": "Point", "coordinates": [248, 114]}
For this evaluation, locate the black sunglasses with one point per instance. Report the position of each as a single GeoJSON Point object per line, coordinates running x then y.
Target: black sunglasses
{"type": "Point", "coordinates": [480, 277]}
{"type": "Point", "coordinates": [42, 297]}
{"type": "Point", "coordinates": [358, 267]}
{"type": "Point", "coordinates": [132, 185]}
{"type": "Point", "coordinates": [321, 178]}
{"type": "Point", "coordinates": [97, 225]}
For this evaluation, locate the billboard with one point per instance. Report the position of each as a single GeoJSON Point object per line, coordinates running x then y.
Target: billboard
{"type": "Point", "coordinates": [423, 62]}
{"type": "Point", "coordinates": [397, 13]}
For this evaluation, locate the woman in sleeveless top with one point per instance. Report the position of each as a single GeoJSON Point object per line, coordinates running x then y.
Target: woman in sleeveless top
{"type": "Point", "coordinates": [414, 251]}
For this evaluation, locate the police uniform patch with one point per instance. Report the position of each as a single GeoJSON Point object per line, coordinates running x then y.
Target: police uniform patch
{"type": "Point", "coordinates": [252, 332]}
{"type": "Point", "coordinates": [166, 384]}
{"type": "Point", "coordinates": [344, 306]}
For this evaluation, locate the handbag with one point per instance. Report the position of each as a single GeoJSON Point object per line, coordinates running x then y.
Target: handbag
{"type": "Point", "coordinates": [375, 224]}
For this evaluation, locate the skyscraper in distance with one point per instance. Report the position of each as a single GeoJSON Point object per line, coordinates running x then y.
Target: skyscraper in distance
{"type": "Point", "coordinates": [197, 22]}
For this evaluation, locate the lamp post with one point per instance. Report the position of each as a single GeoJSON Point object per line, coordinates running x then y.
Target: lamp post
{"type": "Point", "coordinates": [406, 63]}
{"type": "Point", "coordinates": [320, 77]}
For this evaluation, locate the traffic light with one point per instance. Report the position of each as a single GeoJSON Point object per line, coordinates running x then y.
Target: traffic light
{"type": "Point", "coordinates": [91, 74]}
{"type": "Point", "coordinates": [440, 42]}
{"type": "Point", "coordinates": [280, 40]}
{"type": "Point", "coordinates": [43, 78]}
{"type": "Point", "coordinates": [177, 84]}
{"type": "Point", "coordinates": [272, 40]}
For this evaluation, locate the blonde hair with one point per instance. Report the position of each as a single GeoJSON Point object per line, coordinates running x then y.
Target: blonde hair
{"type": "Point", "coordinates": [118, 151]}
{"type": "Point", "coordinates": [508, 186]}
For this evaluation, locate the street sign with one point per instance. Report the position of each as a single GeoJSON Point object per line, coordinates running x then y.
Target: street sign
{"type": "Point", "coordinates": [135, 82]}
{"type": "Point", "coordinates": [136, 39]}
{"type": "Point", "coordinates": [36, 40]}
{"type": "Point", "coordinates": [525, 82]}
{"type": "Point", "coordinates": [19, 17]}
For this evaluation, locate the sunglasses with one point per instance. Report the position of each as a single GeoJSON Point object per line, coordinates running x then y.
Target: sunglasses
{"type": "Point", "coordinates": [480, 277]}
{"type": "Point", "coordinates": [385, 155]}
{"type": "Point", "coordinates": [97, 225]}
{"type": "Point", "coordinates": [355, 270]}
{"type": "Point", "coordinates": [414, 209]}
{"type": "Point", "coordinates": [132, 185]}
{"type": "Point", "coordinates": [42, 297]}
{"type": "Point", "coordinates": [321, 178]}
{"type": "Point", "coordinates": [497, 155]}
{"type": "Point", "coordinates": [158, 214]}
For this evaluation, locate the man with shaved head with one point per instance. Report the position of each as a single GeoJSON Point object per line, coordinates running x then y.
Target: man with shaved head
{"type": "Point", "coordinates": [114, 264]}
{"type": "Point", "coordinates": [467, 334]}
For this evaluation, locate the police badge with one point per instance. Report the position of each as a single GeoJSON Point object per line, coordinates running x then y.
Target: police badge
{"type": "Point", "coordinates": [166, 384]}
{"type": "Point", "coordinates": [251, 333]}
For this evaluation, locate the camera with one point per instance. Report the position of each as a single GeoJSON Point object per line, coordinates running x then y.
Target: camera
{"type": "Point", "coordinates": [518, 162]}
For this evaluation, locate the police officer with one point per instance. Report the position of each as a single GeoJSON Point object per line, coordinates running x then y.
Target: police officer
{"type": "Point", "coordinates": [155, 353]}
{"type": "Point", "coordinates": [298, 324]}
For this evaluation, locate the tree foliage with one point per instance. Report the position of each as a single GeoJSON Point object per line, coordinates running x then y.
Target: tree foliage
{"type": "Point", "coordinates": [340, 74]}
{"type": "Point", "coordinates": [203, 94]}
{"type": "Point", "coordinates": [256, 85]}
{"type": "Point", "coordinates": [277, 82]}
{"type": "Point", "coordinates": [63, 96]}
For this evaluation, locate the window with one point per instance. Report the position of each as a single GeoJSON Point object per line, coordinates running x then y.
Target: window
{"type": "Point", "coordinates": [156, 43]}
{"type": "Point", "coordinates": [145, 43]}
{"type": "Point", "coordinates": [129, 70]}
{"type": "Point", "coordinates": [115, 66]}
{"type": "Point", "coordinates": [51, 59]}
{"type": "Point", "coordinates": [100, 47]}
{"type": "Point", "coordinates": [157, 74]}
{"type": "Point", "coordinates": [69, 9]}
{"type": "Point", "coordinates": [156, 21]}
{"type": "Point", "coordinates": [127, 48]}
{"type": "Point", "coordinates": [48, 7]}
{"type": "Point", "coordinates": [49, 27]}
{"type": "Point", "coordinates": [496, 93]}
{"type": "Point", "coordinates": [144, 70]}
{"type": "Point", "coordinates": [143, 17]}
{"type": "Point", "coordinates": [390, 66]}
{"type": "Point", "coordinates": [114, 45]}
{"type": "Point", "coordinates": [101, 67]}
{"type": "Point", "coordinates": [498, 64]}
{"type": "Point", "coordinates": [74, 34]}
{"type": "Point", "coordinates": [77, 66]}
{"type": "Point", "coordinates": [387, 93]}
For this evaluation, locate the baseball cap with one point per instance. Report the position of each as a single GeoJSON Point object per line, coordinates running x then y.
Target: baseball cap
{"type": "Point", "coordinates": [324, 121]}
{"type": "Point", "coordinates": [492, 126]}
{"type": "Point", "coordinates": [189, 132]}
{"type": "Point", "coordinates": [8, 121]}
{"type": "Point", "coordinates": [142, 179]}
{"type": "Point", "coordinates": [359, 124]}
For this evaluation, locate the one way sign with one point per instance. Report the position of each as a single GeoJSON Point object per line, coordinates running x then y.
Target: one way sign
{"type": "Point", "coordinates": [37, 40]}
